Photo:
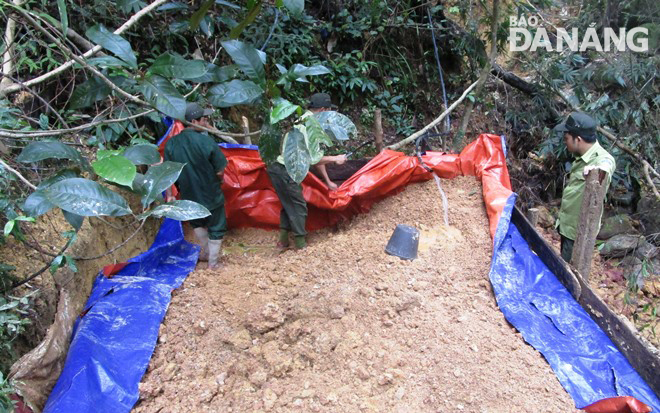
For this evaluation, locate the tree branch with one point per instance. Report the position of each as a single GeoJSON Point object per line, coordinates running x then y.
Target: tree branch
{"type": "Point", "coordinates": [80, 61]}
{"type": "Point", "coordinates": [439, 119]}
{"type": "Point", "coordinates": [130, 22]}
{"type": "Point", "coordinates": [36, 274]}
{"type": "Point", "coordinates": [18, 174]}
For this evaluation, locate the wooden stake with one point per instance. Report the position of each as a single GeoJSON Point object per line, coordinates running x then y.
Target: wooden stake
{"type": "Point", "coordinates": [246, 129]}
{"type": "Point", "coordinates": [533, 216]}
{"type": "Point", "coordinates": [589, 222]}
{"type": "Point", "coordinates": [378, 130]}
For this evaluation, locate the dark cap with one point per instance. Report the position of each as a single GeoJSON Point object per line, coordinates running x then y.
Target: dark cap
{"type": "Point", "coordinates": [194, 111]}
{"type": "Point", "coordinates": [320, 101]}
{"type": "Point", "coordinates": [578, 124]}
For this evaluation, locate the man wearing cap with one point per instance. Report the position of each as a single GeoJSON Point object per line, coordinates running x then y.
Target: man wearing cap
{"type": "Point", "coordinates": [579, 132]}
{"type": "Point", "coordinates": [200, 180]}
{"type": "Point", "coordinates": [294, 208]}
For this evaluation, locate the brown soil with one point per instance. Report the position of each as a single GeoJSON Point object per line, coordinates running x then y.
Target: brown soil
{"type": "Point", "coordinates": [94, 238]}
{"type": "Point", "coordinates": [343, 327]}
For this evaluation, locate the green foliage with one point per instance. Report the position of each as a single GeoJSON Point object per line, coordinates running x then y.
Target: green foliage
{"type": "Point", "coordinates": [87, 198]}
{"type": "Point", "coordinates": [295, 152]}
{"type": "Point", "coordinates": [112, 42]}
{"type": "Point", "coordinates": [181, 210]}
{"type": "Point", "coordinates": [6, 404]}
{"type": "Point", "coordinates": [336, 125]}
{"type": "Point", "coordinates": [164, 96]}
{"type": "Point", "coordinates": [157, 179]}
{"type": "Point", "coordinates": [13, 319]}
{"type": "Point", "coordinates": [116, 168]}
{"type": "Point", "coordinates": [282, 110]}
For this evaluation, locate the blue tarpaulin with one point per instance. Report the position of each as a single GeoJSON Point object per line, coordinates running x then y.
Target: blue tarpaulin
{"type": "Point", "coordinates": [583, 357]}
{"type": "Point", "coordinates": [115, 337]}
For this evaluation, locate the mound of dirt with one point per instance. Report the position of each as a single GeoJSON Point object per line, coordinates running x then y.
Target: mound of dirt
{"type": "Point", "coordinates": [343, 327]}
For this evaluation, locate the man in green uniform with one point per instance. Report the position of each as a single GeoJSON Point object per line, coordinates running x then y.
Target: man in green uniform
{"type": "Point", "coordinates": [294, 208]}
{"type": "Point", "coordinates": [200, 180]}
{"type": "Point", "coordinates": [579, 131]}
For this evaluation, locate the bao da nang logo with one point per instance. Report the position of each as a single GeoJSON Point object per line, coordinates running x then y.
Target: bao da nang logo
{"type": "Point", "coordinates": [525, 34]}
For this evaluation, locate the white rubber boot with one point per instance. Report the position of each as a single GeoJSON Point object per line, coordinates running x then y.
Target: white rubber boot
{"type": "Point", "coordinates": [202, 236]}
{"type": "Point", "coordinates": [215, 246]}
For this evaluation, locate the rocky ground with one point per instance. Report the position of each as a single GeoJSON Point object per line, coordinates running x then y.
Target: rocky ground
{"type": "Point", "coordinates": [343, 327]}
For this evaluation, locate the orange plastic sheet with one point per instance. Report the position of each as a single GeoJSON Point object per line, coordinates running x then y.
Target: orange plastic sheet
{"type": "Point", "coordinates": [252, 202]}
{"type": "Point", "coordinates": [623, 404]}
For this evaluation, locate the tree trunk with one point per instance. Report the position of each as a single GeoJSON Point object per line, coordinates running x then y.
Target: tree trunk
{"type": "Point", "coordinates": [589, 223]}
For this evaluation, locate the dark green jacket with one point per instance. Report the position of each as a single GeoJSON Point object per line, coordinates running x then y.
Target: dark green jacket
{"type": "Point", "coordinates": [198, 181]}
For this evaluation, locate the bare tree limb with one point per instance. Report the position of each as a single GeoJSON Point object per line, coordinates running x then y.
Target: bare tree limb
{"type": "Point", "coordinates": [437, 120]}
{"type": "Point", "coordinates": [8, 58]}
{"type": "Point", "coordinates": [41, 270]}
{"type": "Point", "coordinates": [80, 61]}
{"type": "Point", "coordinates": [18, 174]}
{"type": "Point", "coordinates": [130, 22]}
{"type": "Point", "coordinates": [116, 247]}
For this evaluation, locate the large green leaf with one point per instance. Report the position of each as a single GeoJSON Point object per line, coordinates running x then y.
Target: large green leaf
{"type": "Point", "coordinates": [164, 96]}
{"type": "Point", "coordinates": [270, 140]}
{"type": "Point", "coordinates": [315, 137]}
{"type": "Point", "coordinates": [247, 58]}
{"type": "Point", "coordinates": [87, 198]}
{"type": "Point", "coordinates": [213, 73]}
{"type": "Point", "coordinates": [173, 65]}
{"type": "Point", "coordinates": [92, 90]}
{"type": "Point", "coordinates": [296, 7]}
{"type": "Point", "coordinates": [130, 6]}
{"type": "Point", "coordinates": [236, 92]}
{"type": "Point", "coordinates": [158, 178]}
{"type": "Point", "coordinates": [106, 61]}
{"type": "Point", "coordinates": [74, 220]}
{"type": "Point", "coordinates": [282, 110]}
{"type": "Point", "coordinates": [296, 155]}
{"type": "Point", "coordinates": [180, 210]}
{"type": "Point", "coordinates": [38, 151]}
{"type": "Point", "coordinates": [302, 70]}
{"type": "Point", "coordinates": [37, 204]}
{"type": "Point", "coordinates": [200, 13]}
{"type": "Point", "coordinates": [143, 154]}
{"type": "Point", "coordinates": [113, 42]}
{"type": "Point", "coordinates": [115, 168]}
{"type": "Point", "coordinates": [336, 125]}
{"type": "Point", "coordinates": [64, 16]}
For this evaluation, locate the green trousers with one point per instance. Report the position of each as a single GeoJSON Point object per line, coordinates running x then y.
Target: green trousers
{"type": "Point", "coordinates": [566, 248]}
{"type": "Point", "coordinates": [216, 223]}
{"type": "Point", "coordinates": [294, 208]}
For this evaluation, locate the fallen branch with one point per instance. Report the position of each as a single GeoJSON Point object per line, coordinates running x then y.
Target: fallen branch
{"type": "Point", "coordinates": [130, 22]}
{"type": "Point", "coordinates": [437, 120]}
{"type": "Point", "coordinates": [18, 174]}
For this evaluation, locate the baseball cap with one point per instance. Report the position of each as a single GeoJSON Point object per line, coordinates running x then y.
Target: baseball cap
{"type": "Point", "coordinates": [194, 111]}
{"type": "Point", "coordinates": [578, 124]}
{"type": "Point", "coordinates": [320, 101]}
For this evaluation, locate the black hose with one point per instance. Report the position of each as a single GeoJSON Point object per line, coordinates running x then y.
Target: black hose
{"type": "Point", "coordinates": [272, 29]}
{"type": "Point", "coordinates": [437, 59]}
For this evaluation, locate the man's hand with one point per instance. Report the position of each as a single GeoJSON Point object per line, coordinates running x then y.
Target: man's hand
{"type": "Point", "coordinates": [340, 159]}
{"type": "Point", "coordinates": [331, 185]}
{"type": "Point", "coordinates": [168, 195]}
